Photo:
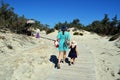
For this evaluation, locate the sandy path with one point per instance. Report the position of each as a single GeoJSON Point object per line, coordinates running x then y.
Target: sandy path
{"type": "Point", "coordinates": [37, 61]}
{"type": "Point", "coordinates": [84, 69]}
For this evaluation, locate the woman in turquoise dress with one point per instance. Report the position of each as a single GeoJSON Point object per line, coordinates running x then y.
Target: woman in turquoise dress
{"type": "Point", "coordinates": [62, 36]}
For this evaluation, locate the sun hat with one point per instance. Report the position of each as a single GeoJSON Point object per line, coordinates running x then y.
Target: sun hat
{"type": "Point", "coordinates": [74, 43]}
{"type": "Point", "coordinates": [64, 28]}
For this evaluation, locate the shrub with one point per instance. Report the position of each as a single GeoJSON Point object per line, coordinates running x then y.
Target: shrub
{"type": "Point", "coordinates": [74, 30]}
{"type": "Point", "coordinates": [114, 37]}
{"type": "Point", "coordinates": [76, 33]}
{"type": "Point", "coordinates": [9, 47]}
{"type": "Point", "coordinates": [2, 37]}
{"type": "Point", "coordinates": [81, 34]}
{"type": "Point", "coordinates": [50, 31]}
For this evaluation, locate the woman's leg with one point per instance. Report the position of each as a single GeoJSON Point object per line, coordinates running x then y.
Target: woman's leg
{"type": "Point", "coordinates": [64, 55]}
{"type": "Point", "coordinates": [59, 58]}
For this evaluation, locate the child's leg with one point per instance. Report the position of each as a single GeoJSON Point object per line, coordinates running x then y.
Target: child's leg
{"type": "Point", "coordinates": [73, 60]}
{"type": "Point", "coordinates": [70, 61]}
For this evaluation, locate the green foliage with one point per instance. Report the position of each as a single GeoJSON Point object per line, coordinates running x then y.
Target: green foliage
{"type": "Point", "coordinates": [75, 23]}
{"type": "Point", "coordinates": [59, 25]}
{"type": "Point", "coordinates": [50, 31]}
{"type": "Point", "coordinates": [105, 26]}
{"type": "Point", "coordinates": [114, 37]}
{"type": "Point", "coordinates": [77, 33]}
{"type": "Point", "coordinates": [16, 23]}
{"type": "Point", "coordinates": [81, 34]}
{"type": "Point", "coordinates": [74, 30]}
{"type": "Point", "coordinates": [6, 14]}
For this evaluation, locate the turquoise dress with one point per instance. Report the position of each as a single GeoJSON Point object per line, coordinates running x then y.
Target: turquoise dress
{"type": "Point", "coordinates": [62, 38]}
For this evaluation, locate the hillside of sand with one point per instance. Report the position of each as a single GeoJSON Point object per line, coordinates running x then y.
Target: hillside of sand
{"type": "Point", "coordinates": [28, 58]}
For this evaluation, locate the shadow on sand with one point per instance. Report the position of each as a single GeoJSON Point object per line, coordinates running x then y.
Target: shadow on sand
{"type": "Point", "coordinates": [54, 60]}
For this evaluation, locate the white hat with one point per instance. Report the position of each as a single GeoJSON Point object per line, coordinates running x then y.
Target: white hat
{"type": "Point", "coordinates": [74, 42]}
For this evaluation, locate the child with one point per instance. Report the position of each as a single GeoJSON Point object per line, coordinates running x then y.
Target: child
{"type": "Point", "coordinates": [73, 52]}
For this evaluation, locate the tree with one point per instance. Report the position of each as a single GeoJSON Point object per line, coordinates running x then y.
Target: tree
{"type": "Point", "coordinates": [58, 25]}
{"type": "Point", "coordinates": [6, 14]}
{"type": "Point", "coordinates": [105, 24]}
{"type": "Point", "coordinates": [113, 25]}
{"type": "Point", "coordinates": [76, 22]}
{"type": "Point", "coordinates": [118, 27]}
{"type": "Point", "coordinates": [105, 20]}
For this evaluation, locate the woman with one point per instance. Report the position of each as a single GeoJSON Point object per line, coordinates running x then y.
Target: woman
{"type": "Point", "coordinates": [61, 37]}
{"type": "Point", "coordinates": [37, 33]}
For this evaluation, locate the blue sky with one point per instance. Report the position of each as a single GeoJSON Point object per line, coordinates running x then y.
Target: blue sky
{"type": "Point", "coordinates": [53, 11]}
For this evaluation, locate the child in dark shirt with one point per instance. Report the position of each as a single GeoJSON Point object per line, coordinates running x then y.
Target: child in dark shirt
{"type": "Point", "coordinates": [73, 52]}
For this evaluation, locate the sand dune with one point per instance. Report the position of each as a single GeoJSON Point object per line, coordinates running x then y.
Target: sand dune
{"type": "Point", "coordinates": [28, 58]}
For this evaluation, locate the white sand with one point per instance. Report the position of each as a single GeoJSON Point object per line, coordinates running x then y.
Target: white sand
{"type": "Point", "coordinates": [106, 54]}
{"type": "Point", "coordinates": [24, 58]}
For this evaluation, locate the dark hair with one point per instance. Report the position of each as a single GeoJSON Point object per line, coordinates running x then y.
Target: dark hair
{"type": "Point", "coordinates": [63, 29]}
{"type": "Point", "coordinates": [63, 32]}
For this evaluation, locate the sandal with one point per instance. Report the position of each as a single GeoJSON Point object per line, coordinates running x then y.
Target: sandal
{"type": "Point", "coordinates": [69, 63]}
{"type": "Point", "coordinates": [62, 61]}
{"type": "Point", "coordinates": [72, 63]}
{"type": "Point", "coordinates": [58, 66]}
